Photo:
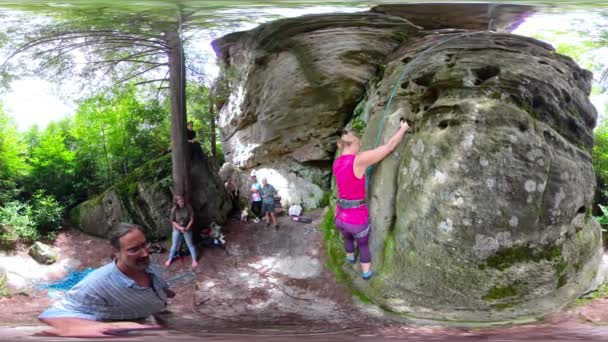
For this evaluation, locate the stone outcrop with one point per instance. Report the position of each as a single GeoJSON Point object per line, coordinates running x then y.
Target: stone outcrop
{"type": "Point", "coordinates": [483, 212]}
{"type": "Point", "coordinates": [43, 254]}
{"type": "Point", "coordinates": [144, 197]}
{"type": "Point", "coordinates": [293, 84]}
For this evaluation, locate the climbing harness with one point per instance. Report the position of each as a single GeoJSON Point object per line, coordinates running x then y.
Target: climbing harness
{"type": "Point", "coordinates": [407, 69]}
{"type": "Point", "coordinates": [363, 233]}
{"type": "Point", "coordinates": [349, 204]}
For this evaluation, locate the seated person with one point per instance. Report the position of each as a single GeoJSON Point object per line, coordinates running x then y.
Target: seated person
{"type": "Point", "coordinates": [126, 289]}
{"type": "Point", "coordinates": [196, 151]}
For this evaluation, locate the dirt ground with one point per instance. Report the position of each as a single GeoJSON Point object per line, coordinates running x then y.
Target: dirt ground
{"type": "Point", "coordinates": [271, 285]}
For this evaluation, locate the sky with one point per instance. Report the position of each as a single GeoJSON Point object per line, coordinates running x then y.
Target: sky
{"type": "Point", "coordinates": [38, 102]}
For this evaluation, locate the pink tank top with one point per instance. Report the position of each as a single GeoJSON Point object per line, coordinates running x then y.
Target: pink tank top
{"type": "Point", "coordinates": [351, 188]}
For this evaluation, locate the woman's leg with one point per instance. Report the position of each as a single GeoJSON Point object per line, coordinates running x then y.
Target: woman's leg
{"type": "Point", "coordinates": [175, 237]}
{"type": "Point", "coordinates": [365, 256]}
{"type": "Point", "coordinates": [349, 239]}
{"type": "Point", "coordinates": [191, 247]}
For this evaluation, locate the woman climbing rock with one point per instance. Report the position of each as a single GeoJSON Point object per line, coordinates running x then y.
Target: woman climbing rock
{"type": "Point", "coordinates": [182, 217]}
{"type": "Point", "coordinates": [352, 215]}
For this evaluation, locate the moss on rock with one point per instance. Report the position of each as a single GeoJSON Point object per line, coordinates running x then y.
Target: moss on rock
{"type": "Point", "coordinates": [508, 257]}
{"type": "Point", "coordinates": [500, 292]}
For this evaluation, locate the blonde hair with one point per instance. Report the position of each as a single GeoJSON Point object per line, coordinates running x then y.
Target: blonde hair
{"type": "Point", "coordinates": [347, 138]}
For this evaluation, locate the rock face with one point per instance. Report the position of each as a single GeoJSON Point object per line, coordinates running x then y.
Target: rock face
{"type": "Point", "coordinates": [145, 198]}
{"type": "Point", "coordinates": [482, 214]}
{"type": "Point", "coordinates": [500, 17]}
{"type": "Point", "coordinates": [293, 84]}
{"type": "Point", "coordinates": [42, 253]}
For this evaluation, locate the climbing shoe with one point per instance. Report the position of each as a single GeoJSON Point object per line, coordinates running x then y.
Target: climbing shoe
{"type": "Point", "coordinates": [351, 259]}
{"type": "Point", "coordinates": [276, 226]}
{"type": "Point", "coordinates": [367, 275]}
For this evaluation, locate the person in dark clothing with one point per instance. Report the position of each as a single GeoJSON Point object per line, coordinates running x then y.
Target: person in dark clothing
{"type": "Point", "coordinates": [233, 194]}
{"type": "Point", "coordinates": [195, 147]}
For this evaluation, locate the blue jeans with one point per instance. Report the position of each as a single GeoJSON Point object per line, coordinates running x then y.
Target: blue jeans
{"type": "Point", "coordinates": [176, 237]}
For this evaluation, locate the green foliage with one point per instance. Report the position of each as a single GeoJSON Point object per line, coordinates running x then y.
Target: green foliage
{"type": "Point", "coordinates": [17, 223]}
{"type": "Point", "coordinates": [500, 292]}
{"type": "Point", "coordinates": [8, 190]}
{"type": "Point", "coordinates": [603, 221]}
{"type": "Point", "coordinates": [30, 221]}
{"type": "Point", "coordinates": [325, 200]}
{"type": "Point", "coordinates": [508, 257]}
{"type": "Point", "coordinates": [333, 245]}
{"type": "Point", "coordinates": [600, 166]}
{"type": "Point", "coordinates": [601, 292]}
{"type": "Point", "coordinates": [113, 134]}
{"type": "Point", "coordinates": [4, 291]}
{"type": "Point", "coordinates": [358, 125]}
{"type": "Point", "coordinates": [47, 213]}
{"type": "Point", "coordinates": [12, 164]}
{"type": "Point", "coordinates": [52, 164]}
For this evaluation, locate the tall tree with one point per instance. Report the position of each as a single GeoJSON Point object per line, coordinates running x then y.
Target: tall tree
{"type": "Point", "coordinates": [121, 44]}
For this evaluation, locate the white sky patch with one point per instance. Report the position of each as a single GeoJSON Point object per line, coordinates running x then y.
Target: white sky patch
{"type": "Point", "coordinates": [33, 102]}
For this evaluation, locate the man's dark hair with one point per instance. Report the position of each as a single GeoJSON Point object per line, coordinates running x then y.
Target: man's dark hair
{"type": "Point", "coordinates": [121, 230]}
{"type": "Point", "coordinates": [190, 123]}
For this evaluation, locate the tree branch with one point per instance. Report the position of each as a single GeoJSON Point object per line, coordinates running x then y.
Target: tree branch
{"type": "Point", "coordinates": [151, 81]}
{"type": "Point", "coordinates": [130, 77]}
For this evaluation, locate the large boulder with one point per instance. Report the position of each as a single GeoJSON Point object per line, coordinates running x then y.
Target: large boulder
{"type": "Point", "coordinates": [292, 85]}
{"type": "Point", "coordinates": [483, 213]}
{"type": "Point", "coordinates": [144, 197]}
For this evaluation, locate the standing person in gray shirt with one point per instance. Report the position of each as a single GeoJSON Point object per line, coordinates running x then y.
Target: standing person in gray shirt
{"type": "Point", "coordinates": [127, 289]}
{"type": "Point", "coordinates": [268, 192]}
{"type": "Point", "coordinates": [182, 217]}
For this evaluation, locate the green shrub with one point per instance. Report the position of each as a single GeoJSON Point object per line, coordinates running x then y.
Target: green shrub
{"type": "Point", "coordinates": [47, 213]}
{"type": "Point", "coordinates": [17, 223]}
{"type": "Point", "coordinates": [601, 292]}
{"type": "Point", "coordinates": [29, 222]}
{"type": "Point", "coordinates": [4, 291]}
{"type": "Point", "coordinates": [603, 221]}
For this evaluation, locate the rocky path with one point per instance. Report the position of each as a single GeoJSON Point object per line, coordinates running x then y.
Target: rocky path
{"type": "Point", "coordinates": [272, 285]}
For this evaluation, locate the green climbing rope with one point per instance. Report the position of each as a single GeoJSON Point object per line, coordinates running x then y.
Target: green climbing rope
{"type": "Point", "coordinates": [407, 68]}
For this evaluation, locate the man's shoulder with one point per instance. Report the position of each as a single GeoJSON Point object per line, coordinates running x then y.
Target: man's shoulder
{"type": "Point", "coordinates": [99, 277]}
{"type": "Point", "coordinates": [104, 271]}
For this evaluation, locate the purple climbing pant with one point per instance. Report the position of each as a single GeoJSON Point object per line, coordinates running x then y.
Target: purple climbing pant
{"type": "Point", "coordinates": [359, 232]}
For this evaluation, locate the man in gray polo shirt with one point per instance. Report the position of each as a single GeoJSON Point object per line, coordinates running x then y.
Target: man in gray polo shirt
{"type": "Point", "coordinates": [125, 289]}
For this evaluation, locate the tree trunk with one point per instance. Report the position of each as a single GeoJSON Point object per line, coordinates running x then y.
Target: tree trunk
{"type": "Point", "coordinates": [212, 125]}
{"type": "Point", "coordinates": [179, 145]}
